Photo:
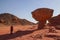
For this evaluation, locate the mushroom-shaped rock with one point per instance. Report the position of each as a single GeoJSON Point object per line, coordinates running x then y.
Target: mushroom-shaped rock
{"type": "Point", "coordinates": [41, 15]}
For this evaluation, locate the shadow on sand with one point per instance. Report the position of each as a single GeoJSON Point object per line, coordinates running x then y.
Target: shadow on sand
{"type": "Point", "coordinates": [14, 35]}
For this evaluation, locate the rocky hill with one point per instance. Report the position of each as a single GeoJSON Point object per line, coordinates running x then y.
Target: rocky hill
{"type": "Point", "coordinates": [9, 19]}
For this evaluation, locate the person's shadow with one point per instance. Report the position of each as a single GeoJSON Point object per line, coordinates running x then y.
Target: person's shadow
{"type": "Point", "coordinates": [14, 35]}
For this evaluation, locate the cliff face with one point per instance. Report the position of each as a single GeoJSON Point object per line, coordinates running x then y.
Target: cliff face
{"type": "Point", "coordinates": [9, 19]}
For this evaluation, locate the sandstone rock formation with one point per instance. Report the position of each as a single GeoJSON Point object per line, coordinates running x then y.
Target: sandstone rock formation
{"type": "Point", "coordinates": [41, 15]}
{"type": "Point", "coordinates": [54, 21]}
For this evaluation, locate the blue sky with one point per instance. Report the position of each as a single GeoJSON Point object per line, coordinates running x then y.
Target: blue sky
{"type": "Point", "coordinates": [23, 8]}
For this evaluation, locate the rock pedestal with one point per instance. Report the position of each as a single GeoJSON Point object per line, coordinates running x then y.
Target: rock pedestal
{"type": "Point", "coordinates": [41, 15]}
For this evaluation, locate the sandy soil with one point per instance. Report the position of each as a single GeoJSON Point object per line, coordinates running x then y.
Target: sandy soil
{"type": "Point", "coordinates": [28, 32]}
{"type": "Point", "coordinates": [6, 29]}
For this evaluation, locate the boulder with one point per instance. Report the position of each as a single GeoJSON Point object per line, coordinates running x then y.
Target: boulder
{"type": "Point", "coordinates": [42, 14]}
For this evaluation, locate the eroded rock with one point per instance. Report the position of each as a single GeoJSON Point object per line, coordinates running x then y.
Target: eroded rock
{"type": "Point", "coordinates": [55, 21]}
{"type": "Point", "coordinates": [41, 15]}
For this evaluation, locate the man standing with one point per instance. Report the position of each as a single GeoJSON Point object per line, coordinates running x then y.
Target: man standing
{"type": "Point", "coordinates": [11, 29]}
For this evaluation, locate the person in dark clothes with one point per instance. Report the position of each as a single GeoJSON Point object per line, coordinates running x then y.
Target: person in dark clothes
{"type": "Point", "coordinates": [11, 30]}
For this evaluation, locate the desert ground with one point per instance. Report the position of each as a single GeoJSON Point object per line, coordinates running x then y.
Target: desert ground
{"type": "Point", "coordinates": [27, 32]}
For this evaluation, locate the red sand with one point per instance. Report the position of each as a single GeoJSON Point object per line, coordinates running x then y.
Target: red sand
{"type": "Point", "coordinates": [36, 35]}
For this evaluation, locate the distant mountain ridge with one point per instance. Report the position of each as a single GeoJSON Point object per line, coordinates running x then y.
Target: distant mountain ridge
{"type": "Point", "coordinates": [9, 19]}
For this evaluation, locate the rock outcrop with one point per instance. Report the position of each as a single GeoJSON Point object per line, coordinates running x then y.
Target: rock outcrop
{"type": "Point", "coordinates": [55, 21]}
{"type": "Point", "coordinates": [41, 15]}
